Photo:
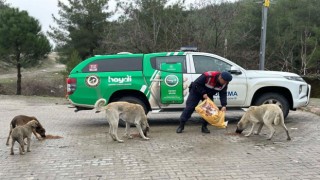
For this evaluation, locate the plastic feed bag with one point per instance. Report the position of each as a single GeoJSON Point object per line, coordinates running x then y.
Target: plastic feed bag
{"type": "Point", "coordinates": [211, 113]}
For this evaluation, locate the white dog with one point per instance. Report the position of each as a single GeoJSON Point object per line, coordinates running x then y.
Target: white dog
{"type": "Point", "coordinates": [128, 112]}
{"type": "Point", "coordinates": [266, 114]}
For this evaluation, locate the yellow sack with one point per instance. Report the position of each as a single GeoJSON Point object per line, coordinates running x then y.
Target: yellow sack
{"type": "Point", "coordinates": [210, 112]}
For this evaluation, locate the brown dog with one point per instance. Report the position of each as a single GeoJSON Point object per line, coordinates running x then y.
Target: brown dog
{"type": "Point", "coordinates": [20, 133]}
{"type": "Point", "coordinates": [22, 120]}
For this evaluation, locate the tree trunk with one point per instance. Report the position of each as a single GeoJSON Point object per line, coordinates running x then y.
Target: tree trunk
{"type": "Point", "coordinates": [18, 75]}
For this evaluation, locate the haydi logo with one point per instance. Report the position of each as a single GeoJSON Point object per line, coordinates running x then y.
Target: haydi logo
{"type": "Point", "coordinates": [120, 80]}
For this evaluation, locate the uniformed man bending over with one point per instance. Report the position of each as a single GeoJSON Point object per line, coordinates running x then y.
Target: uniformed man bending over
{"type": "Point", "coordinates": [205, 86]}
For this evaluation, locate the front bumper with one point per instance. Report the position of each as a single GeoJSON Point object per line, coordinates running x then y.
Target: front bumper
{"type": "Point", "coordinates": [304, 99]}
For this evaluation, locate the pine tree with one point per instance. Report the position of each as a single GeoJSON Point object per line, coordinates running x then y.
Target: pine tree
{"type": "Point", "coordinates": [22, 44]}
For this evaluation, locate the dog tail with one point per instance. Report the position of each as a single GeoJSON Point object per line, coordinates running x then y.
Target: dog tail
{"type": "Point", "coordinates": [99, 104]}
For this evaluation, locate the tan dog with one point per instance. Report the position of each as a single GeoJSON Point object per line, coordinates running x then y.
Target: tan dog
{"type": "Point", "coordinates": [266, 114]}
{"type": "Point", "coordinates": [19, 133]}
{"type": "Point", "coordinates": [128, 112]}
{"type": "Point", "coordinates": [22, 120]}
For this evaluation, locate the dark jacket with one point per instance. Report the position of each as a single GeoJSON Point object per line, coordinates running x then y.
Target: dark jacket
{"type": "Point", "coordinates": [199, 85]}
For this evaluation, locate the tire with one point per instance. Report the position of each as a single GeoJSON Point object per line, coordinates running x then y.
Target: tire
{"type": "Point", "coordinates": [134, 100]}
{"type": "Point", "coordinates": [274, 98]}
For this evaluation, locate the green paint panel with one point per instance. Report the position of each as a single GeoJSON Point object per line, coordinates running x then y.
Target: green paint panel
{"type": "Point", "coordinates": [171, 86]}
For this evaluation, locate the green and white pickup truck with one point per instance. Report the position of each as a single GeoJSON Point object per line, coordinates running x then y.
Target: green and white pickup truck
{"type": "Point", "coordinates": [159, 81]}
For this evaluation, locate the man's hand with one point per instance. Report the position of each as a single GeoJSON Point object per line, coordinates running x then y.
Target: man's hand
{"type": "Point", "coordinates": [223, 109]}
{"type": "Point", "coordinates": [205, 96]}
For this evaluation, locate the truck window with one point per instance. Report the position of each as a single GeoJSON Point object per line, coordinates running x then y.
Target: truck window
{"type": "Point", "coordinates": [157, 61]}
{"type": "Point", "coordinates": [114, 65]}
{"type": "Point", "coordinates": [206, 63]}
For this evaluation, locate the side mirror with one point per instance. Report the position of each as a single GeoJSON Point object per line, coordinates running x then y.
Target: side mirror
{"type": "Point", "coordinates": [235, 70]}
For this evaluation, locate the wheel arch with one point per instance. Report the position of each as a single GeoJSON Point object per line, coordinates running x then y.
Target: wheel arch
{"type": "Point", "coordinates": [274, 89]}
{"type": "Point", "coordinates": [134, 93]}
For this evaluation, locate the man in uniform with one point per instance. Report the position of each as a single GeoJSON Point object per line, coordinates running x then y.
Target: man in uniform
{"type": "Point", "coordinates": [205, 86]}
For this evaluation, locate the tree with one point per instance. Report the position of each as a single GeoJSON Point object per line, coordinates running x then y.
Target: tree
{"type": "Point", "coordinates": [212, 20]}
{"type": "Point", "coordinates": [2, 4]}
{"type": "Point", "coordinates": [74, 60]}
{"type": "Point", "coordinates": [82, 25]}
{"type": "Point", "coordinates": [294, 35]}
{"type": "Point", "coordinates": [151, 25]}
{"type": "Point", "coordinates": [21, 41]}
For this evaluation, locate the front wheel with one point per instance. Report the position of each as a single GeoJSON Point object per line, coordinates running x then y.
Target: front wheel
{"type": "Point", "coordinates": [134, 100]}
{"type": "Point", "coordinates": [274, 98]}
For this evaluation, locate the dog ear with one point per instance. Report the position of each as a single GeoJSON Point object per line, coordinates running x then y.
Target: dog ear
{"type": "Point", "coordinates": [34, 118]}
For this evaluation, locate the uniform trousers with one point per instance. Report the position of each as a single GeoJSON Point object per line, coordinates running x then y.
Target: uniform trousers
{"type": "Point", "coordinates": [192, 101]}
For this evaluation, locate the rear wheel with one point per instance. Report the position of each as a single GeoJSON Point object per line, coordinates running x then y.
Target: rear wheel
{"type": "Point", "coordinates": [274, 98]}
{"type": "Point", "coordinates": [134, 100]}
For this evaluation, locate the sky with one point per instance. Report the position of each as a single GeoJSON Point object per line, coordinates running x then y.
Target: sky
{"type": "Point", "coordinates": [42, 10]}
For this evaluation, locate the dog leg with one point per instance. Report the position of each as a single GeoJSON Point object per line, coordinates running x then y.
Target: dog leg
{"type": "Point", "coordinates": [28, 146]}
{"type": "Point", "coordinates": [140, 131]}
{"type": "Point", "coordinates": [110, 131]}
{"type": "Point", "coordinates": [12, 144]}
{"type": "Point", "coordinates": [21, 146]}
{"type": "Point", "coordinates": [285, 128]}
{"type": "Point", "coordinates": [127, 131]}
{"type": "Point", "coordinates": [259, 129]}
{"type": "Point", "coordinates": [21, 150]}
{"type": "Point", "coordinates": [252, 128]}
{"type": "Point", "coordinates": [272, 131]}
{"type": "Point", "coordinates": [114, 132]}
{"type": "Point", "coordinates": [113, 123]}
{"type": "Point", "coordinates": [7, 143]}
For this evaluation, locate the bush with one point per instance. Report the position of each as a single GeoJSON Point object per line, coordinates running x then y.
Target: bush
{"type": "Point", "coordinates": [314, 81]}
{"type": "Point", "coordinates": [41, 87]}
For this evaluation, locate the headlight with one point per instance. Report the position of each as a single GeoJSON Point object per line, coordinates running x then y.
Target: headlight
{"type": "Point", "coordinates": [294, 78]}
{"type": "Point", "coordinates": [300, 89]}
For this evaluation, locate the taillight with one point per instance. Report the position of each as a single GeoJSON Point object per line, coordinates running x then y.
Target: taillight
{"type": "Point", "coordinates": [71, 85]}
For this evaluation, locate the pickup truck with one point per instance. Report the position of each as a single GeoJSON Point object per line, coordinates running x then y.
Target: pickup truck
{"type": "Point", "coordinates": [159, 82]}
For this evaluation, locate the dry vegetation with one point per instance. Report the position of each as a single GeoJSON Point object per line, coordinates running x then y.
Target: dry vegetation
{"type": "Point", "coordinates": [46, 79]}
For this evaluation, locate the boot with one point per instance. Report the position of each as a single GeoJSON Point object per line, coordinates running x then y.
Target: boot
{"type": "Point", "coordinates": [181, 127]}
{"type": "Point", "coordinates": [204, 128]}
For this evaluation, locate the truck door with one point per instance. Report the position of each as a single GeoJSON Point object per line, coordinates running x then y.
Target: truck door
{"type": "Point", "coordinates": [171, 85]}
{"type": "Point", "coordinates": [164, 75]}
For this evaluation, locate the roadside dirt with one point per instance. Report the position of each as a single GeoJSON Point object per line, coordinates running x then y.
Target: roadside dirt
{"type": "Point", "coordinates": [313, 106]}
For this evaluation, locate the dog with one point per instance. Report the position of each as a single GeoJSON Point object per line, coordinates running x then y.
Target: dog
{"type": "Point", "coordinates": [19, 133]}
{"type": "Point", "coordinates": [22, 120]}
{"type": "Point", "coordinates": [128, 112]}
{"type": "Point", "coordinates": [266, 114]}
